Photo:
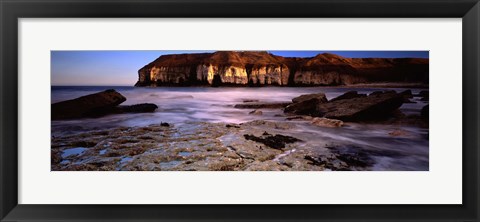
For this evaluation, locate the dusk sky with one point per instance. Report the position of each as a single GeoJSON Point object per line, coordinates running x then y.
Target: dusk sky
{"type": "Point", "coordinates": [119, 68]}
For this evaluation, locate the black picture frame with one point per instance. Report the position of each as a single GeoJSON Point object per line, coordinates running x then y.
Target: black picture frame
{"type": "Point", "coordinates": [11, 11]}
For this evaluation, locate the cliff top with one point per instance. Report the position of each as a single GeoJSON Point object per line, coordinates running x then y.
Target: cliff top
{"type": "Point", "coordinates": [262, 58]}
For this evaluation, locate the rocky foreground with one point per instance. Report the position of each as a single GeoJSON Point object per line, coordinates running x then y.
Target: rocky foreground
{"type": "Point", "coordinates": [255, 145]}
{"type": "Point", "coordinates": [252, 68]}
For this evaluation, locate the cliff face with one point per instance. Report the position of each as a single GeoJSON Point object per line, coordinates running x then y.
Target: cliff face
{"type": "Point", "coordinates": [261, 68]}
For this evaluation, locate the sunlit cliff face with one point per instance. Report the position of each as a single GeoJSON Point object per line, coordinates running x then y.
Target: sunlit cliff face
{"type": "Point", "coordinates": [262, 68]}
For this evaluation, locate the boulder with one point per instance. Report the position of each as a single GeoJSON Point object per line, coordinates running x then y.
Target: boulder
{"type": "Point", "coordinates": [93, 105]}
{"type": "Point", "coordinates": [320, 96]}
{"type": "Point", "coordinates": [273, 105]}
{"type": "Point", "coordinates": [325, 122]}
{"type": "Point", "coordinates": [305, 104]}
{"type": "Point", "coordinates": [305, 107]}
{"type": "Point", "coordinates": [349, 95]}
{"type": "Point", "coordinates": [374, 107]}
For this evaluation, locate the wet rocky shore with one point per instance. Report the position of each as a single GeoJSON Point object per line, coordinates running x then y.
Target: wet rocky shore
{"type": "Point", "coordinates": [311, 133]}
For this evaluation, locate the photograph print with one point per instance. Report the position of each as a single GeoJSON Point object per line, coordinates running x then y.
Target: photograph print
{"type": "Point", "coordinates": [207, 110]}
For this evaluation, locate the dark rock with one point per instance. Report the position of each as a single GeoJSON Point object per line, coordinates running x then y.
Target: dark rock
{"type": "Point", "coordinates": [373, 107]}
{"type": "Point", "coordinates": [423, 93]}
{"type": "Point", "coordinates": [138, 108]}
{"type": "Point", "coordinates": [382, 92]}
{"type": "Point", "coordinates": [217, 81]}
{"type": "Point", "coordinates": [306, 107]}
{"type": "Point", "coordinates": [273, 141]}
{"type": "Point", "coordinates": [425, 113]}
{"type": "Point", "coordinates": [348, 95]}
{"type": "Point", "coordinates": [251, 101]}
{"type": "Point", "coordinates": [165, 124]}
{"type": "Point", "coordinates": [376, 93]}
{"type": "Point", "coordinates": [294, 117]}
{"type": "Point", "coordinates": [314, 161]}
{"type": "Point", "coordinates": [407, 100]}
{"type": "Point", "coordinates": [320, 96]}
{"type": "Point", "coordinates": [230, 126]}
{"type": "Point", "coordinates": [93, 105]}
{"type": "Point", "coordinates": [83, 143]}
{"type": "Point", "coordinates": [277, 105]}
{"type": "Point", "coordinates": [348, 157]}
{"type": "Point", "coordinates": [407, 94]}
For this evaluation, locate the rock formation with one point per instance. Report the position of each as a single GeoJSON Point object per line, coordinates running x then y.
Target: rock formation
{"type": "Point", "coordinates": [376, 106]}
{"type": "Point", "coordinates": [253, 68]}
{"type": "Point", "coordinates": [97, 105]}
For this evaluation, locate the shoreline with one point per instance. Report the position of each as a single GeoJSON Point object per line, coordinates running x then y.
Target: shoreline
{"type": "Point", "coordinates": [205, 146]}
{"type": "Point", "coordinates": [353, 86]}
{"type": "Point", "coordinates": [353, 131]}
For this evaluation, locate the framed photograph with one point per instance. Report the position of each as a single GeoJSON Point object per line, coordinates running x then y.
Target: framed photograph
{"type": "Point", "coordinates": [225, 110]}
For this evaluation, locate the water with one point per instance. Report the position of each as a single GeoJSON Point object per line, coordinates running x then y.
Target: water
{"type": "Point", "coordinates": [178, 105]}
{"type": "Point", "coordinates": [73, 152]}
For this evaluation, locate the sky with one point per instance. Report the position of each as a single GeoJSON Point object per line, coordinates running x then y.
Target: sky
{"type": "Point", "coordinates": [120, 68]}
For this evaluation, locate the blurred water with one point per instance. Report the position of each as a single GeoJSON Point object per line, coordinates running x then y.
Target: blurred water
{"type": "Point", "coordinates": [178, 105]}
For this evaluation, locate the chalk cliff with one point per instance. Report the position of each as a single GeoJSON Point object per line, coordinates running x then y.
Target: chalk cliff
{"type": "Point", "coordinates": [255, 68]}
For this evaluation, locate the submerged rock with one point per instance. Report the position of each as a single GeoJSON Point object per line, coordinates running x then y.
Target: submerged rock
{"type": "Point", "coordinates": [93, 105]}
{"type": "Point", "coordinates": [399, 132]}
{"type": "Point", "coordinates": [273, 105]}
{"type": "Point", "coordinates": [325, 122]}
{"type": "Point", "coordinates": [138, 108]}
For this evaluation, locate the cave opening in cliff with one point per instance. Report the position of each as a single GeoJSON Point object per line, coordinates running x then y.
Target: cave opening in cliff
{"type": "Point", "coordinates": [192, 76]}
{"type": "Point", "coordinates": [217, 80]}
{"type": "Point", "coordinates": [291, 75]}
